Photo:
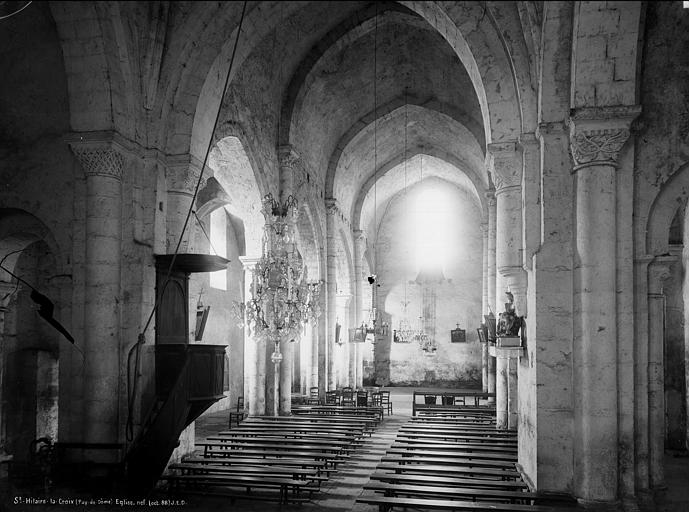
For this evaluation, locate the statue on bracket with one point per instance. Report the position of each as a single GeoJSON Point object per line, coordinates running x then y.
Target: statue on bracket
{"type": "Point", "coordinates": [508, 322]}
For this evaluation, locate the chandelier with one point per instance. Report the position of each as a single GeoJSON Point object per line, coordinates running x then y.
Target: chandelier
{"type": "Point", "coordinates": [281, 302]}
{"type": "Point", "coordinates": [426, 343]}
{"type": "Point", "coordinates": [373, 324]}
{"type": "Point", "coordinates": [404, 333]}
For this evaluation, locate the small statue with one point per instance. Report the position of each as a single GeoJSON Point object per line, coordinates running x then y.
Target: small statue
{"type": "Point", "coordinates": [508, 322]}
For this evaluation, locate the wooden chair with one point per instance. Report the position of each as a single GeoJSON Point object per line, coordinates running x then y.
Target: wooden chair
{"type": "Point", "coordinates": [376, 399]}
{"type": "Point", "coordinates": [347, 396]}
{"type": "Point", "coordinates": [362, 398]}
{"type": "Point", "coordinates": [331, 398]}
{"type": "Point", "coordinates": [238, 414]}
{"type": "Point", "coordinates": [314, 397]}
{"type": "Point", "coordinates": [448, 399]}
{"type": "Point", "coordinates": [385, 401]}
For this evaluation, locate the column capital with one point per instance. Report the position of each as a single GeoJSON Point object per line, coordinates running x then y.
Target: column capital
{"type": "Point", "coordinates": [505, 163]}
{"type": "Point", "coordinates": [182, 173]}
{"type": "Point", "coordinates": [288, 157]}
{"type": "Point", "coordinates": [659, 270]}
{"type": "Point", "coordinates": [332, 210]}
{"type": "Point", "coordinates": [359, 236]}
{"type": "Point", "coordinates": [597, 134]}
{"type": "Point", "coordinates": [484, 228]}
{"type": "Point", "coordinates": [101, 153]}
{"type": "Point", "coordinates": [249, 262]}
{"type": "Point", "coordinates": [490, 198]}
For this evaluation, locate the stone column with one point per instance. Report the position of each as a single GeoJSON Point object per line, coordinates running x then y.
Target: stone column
{"type": "Point", "coordinates": [291, 167]}
{"type": "Point", "coordinates": [596, 137]}
{"type": "Point", "coordinates": [321, 352]}
{"type": "Point", "coordinates": [506, 167]}
{"type": "Point", "coordinates": [331, 280]}
{"type": "Point", "coordinates": [254, 394]}
{"type": "Point", "coordinates": [512, 390]}
{"type": "Point", "coordinates": [348, 369]}
{"type": "Point", "coordinates": [182, 173]}
{"type": "Point", "coordinates": [484, 308]}
{"type": "Point", "coordinates": [501, 389]}
{"type": "Point", "coordinates": [6, 291]}
{"type": "Point", "coordinates": [359, 250]}
{"type": "Point", "coordinates": [505, 162]}
{"type": "Point", "coordinates": [492, 305]}
{"type": "Point", "coordinates": [658, 272]}
{"type": "Point", "coordinates": [285, 391]}
{"type": "Point", "coordinates": [531, 213]}
{"type": "Point", "coordinates": [103, 163]}
{"type": "Point", "coordinates": [491, 257]}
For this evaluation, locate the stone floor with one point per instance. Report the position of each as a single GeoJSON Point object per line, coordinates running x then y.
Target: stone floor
{"type": "Point", "coordinates": [339, 493]}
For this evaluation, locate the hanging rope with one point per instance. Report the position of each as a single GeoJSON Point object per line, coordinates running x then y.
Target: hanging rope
{"type": "Point", "coordinates": [375, 144]}
{"type": "Point", "coordinates": [203, 230]}
{"type": "Point", "coordinates": [142, 336]}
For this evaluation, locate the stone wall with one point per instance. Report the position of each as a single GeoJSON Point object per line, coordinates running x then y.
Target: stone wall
{"type": "Point", "coordinates": [457, 298]}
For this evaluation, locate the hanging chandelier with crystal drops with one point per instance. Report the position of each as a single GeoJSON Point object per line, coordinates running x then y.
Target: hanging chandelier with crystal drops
{"type": "Point", "coordinates": [281, 302]}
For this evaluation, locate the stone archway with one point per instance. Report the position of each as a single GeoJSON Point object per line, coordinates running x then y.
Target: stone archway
{"type": "Point", "coordinates": [31, 348]}
{"type": "Point", "coordinates": [667, 305]}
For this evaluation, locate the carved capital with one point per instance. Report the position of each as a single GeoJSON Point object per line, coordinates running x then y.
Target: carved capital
{"type": "Point", "coordinates": [100, 153]}
{"type": "Point", "coordinates": [331, 207]}
{"type": "Point", "coordinates": [484, 228]}
{"type": "Point", "coordinates": [490, 199]}
{"type": "Point", "coordinates": [597, 147]}
{"type": "Point", "coordinates": [598, 134]}
{"type": "Point", "coordinates": [288, 158]}
{"type": "Point", "coordinates": [359, 237]}
{"type": "Point", "coordinates": [182, 173]}
{"type": "Point", "coordinates": [249, 262]}
{"type": "Point", "coordinates": [505, 163]}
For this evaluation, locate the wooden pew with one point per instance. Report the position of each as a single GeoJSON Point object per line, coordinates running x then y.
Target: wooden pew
{"type": "Point", "coordinates": [329, 410]}
{"type": "Point", "coordinates": [453, 462]}
{"type": "Point", "coordinates": [318, 465]}
{"type": "Point", "coordinates": [386, 503]}
{"type": "Point", "coordinates": [465, 454]}
{"type": "Point", "coordinates": [458, 438]}
{"type": "Point", "coordinates": [289, 489]}
{"type": "Point", "coordinates": [447, 481]}
{"type": "Point", "coordinates": [446, 470]}
{"type": "Point", "coordinates": [336, 445]}
{"type": "Point", "coordinates": [329, 458]}
{"type": "Point", "coordinates": [433, 491]}
{"type": "Point", "coordinates": [455, 397]}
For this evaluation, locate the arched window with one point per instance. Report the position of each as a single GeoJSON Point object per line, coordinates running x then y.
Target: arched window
{"type": "Point", "coordinates": [431, 229]}
{"type": "Point", "coordinates": [218, 236]}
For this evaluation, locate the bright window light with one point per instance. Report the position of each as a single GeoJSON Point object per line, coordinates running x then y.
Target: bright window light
{"type": "Point", "coordinates": [432, 229]}
{"type": "Point", "coordinates": [218, 236]}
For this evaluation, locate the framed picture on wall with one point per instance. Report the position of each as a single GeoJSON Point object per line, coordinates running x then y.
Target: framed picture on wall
{"type": "Point", "coordinates": [458, 335]}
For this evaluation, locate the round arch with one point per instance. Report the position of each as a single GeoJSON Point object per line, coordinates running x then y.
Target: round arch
{"type": "Point", "coordinates": [673, 194]}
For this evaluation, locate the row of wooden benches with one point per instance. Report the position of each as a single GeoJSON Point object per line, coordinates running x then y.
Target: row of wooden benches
{"type": "Point", "coordinates": [458, 463]}
{"type": "Point", "coordinates": [284, 459]}
{"type": "Point", "coordinates": [452, 402]}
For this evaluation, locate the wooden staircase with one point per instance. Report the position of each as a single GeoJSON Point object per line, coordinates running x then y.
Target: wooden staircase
{"type": "Point", "coordinates": [189, 379]}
